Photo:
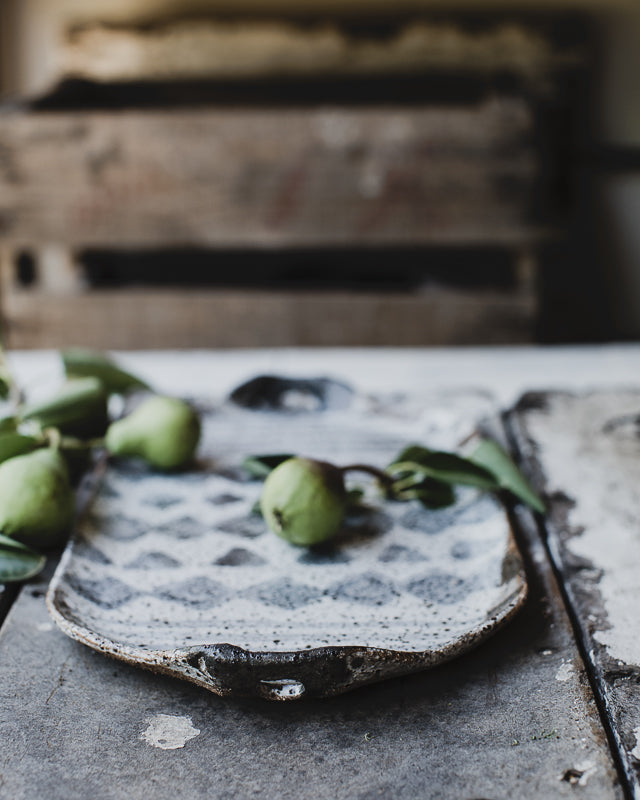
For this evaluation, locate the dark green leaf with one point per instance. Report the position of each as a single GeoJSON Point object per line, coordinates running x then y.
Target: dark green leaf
{"type": "Point", "coordinates": [415, 453]}
{"type": "Point", "coordinates": [9, 424]}
{"type": "Point", "coordinates": [448, 468]}
{"type": "Point", "coordinates": [492, 457]}
{"type": "Point", "coordinates": [435, 494]}
{"type": "Point", "coordinates": [16, 444]}
{"type": "Point", "coordinates": [17, 561]}
{"type": "Point", "coordinates": [80, 362]}
{"type": "Point", "coordinates": [78, 409]}
{"type": "Point", "coordinates": [259, 467]}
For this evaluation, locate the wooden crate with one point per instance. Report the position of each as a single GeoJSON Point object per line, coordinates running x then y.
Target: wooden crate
{"type": "Point", "coordinates": [269, 178]}
{"type": "Point", "coordinates": [263, 178]}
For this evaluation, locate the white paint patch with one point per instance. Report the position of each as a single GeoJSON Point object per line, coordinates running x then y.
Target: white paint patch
{"type": "Point", "coordinates": [566, 671]}
{"type": "Point", "coordinates": [636, 750]}
{"type": "Point", "coordinates": [169, 732]}
{"type": "Point", "coordinates": [598, 467]}
{"type": "Point", "coordinates": [587, 768]}
{"type": "Point", "coordinates": [44, 627]}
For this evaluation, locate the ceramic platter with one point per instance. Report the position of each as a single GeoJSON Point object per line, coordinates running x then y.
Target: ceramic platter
{"type": "Point", "coordinates": [178, 574]}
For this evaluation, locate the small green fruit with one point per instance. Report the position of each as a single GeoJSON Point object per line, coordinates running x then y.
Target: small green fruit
{"type": "Point", "coordinates": [36, 499]}
{"type": "Point", "coordinates": [164, 431]}
{"type": "Point", "coordinates": [304, 501]}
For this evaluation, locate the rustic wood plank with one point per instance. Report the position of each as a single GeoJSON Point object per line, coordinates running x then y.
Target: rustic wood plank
{"type": "Point", "coordinates": [269, 177]}
{"type": "Point", "coordinates": [165, 318]}
{"type": "Point", "coordinates": [584, 451]}
{"type": "Point", "coordinates": [223, 48]}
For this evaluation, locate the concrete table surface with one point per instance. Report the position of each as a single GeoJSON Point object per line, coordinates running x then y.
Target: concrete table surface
{"type": "Point", "coordinates": [522, 716]}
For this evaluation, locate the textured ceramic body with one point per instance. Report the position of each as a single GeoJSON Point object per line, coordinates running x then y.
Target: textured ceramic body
{"type": "Point", "coordinates": [177, 573]}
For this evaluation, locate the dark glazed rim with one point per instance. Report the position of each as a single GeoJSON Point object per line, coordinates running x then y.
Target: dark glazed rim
{"type": "Point", "coordinates": [227, 669]}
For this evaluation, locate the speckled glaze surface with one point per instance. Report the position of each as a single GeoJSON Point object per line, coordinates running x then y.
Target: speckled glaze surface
{"type": "Point", "coordinates": [177, 573]}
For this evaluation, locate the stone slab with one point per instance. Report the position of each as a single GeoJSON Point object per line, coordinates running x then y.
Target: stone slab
{"type": "Point", "coordinates": [482, 726]}
{"type": "Point", "coordinates": [514, 718]}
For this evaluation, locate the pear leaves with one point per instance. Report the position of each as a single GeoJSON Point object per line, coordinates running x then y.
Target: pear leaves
{"type": "Point", "coordinates": [429, 476]}
{"type": "Point", "coordinates": [44, 443]}
{"type": "Point", "coordinates": [17, 561]}
{"type": "Point", "coordinates": [494, 459]}
{"type": "Point", "coordinates": [420, 471]}
{"type": "Point", "coordinates": [80, 362]}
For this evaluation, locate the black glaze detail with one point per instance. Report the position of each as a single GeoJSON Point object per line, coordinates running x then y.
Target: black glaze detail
{"type": "Point", "coordinates": [532, 401]}
{"type": "Point", "coordinates": [248, 527]}
{"type": "Point", "coordinates": [119, 527]}
{"type": "Point", "coordinates": [438, 587]}
{"type": "Point", "coordinates": [223, 499]}
{"type": "Point", "coordinates": [199, 592]}
{"type": "Point", "coordinates": [367, 589]}
{"type": "Point", "coordinates": [85, 549]}
{"type": "Point", "coordinates": [293, 395]}
{"type": "Point", "coordinates": [323, 554]}
{"type": "Point", "coordinates": [161, 502]}
{"type": "Point", "coordinates": [461, 550]}
{"type": "Point", "coordinates": [153, 561]}
{"type": "Point", "coordinates": [418, 518]}
{"type": "Point", "coordinates": [183, 528]}
{"type": "Point", "coordinates": [242, 672]}
{"type": "Point", "coordinates": [239, 557]}
{"type": "Point", "coordinates": [107, 593]}
{"type": "Point", "coordinates": [398, 552]}
{"type": "Point", "coordinates": [285, 594]}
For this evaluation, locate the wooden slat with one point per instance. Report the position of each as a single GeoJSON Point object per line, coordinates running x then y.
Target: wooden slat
{"type": "Point", "coordinates": [130, 319]}
{"type": "Point", "coordinates": [268, 177]}
{"type": "Point", "coordinates": [222, 48]}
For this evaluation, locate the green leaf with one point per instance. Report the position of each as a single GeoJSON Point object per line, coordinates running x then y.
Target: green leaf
{"type": "Point", "coordinates": [81, 362]}
{"type": "Point", "coordinates": [259, 467]}
{"type": "Point", "coordinates": [492, 457]}
{"type": "Point", "coordinates": [415, 453]}
{"type": "Point", "coordinates": [17, 561]}
{"type": "Point", "coordinates": [431, 493]}
{"type": "Point", "coordinates": [16, 444]}
{"type": "Point", "coordinates": [78, 409]}
{"type": "Point", "coordinates": [448, 468]}
{"type": "Point", "coordinates": [9, 424]}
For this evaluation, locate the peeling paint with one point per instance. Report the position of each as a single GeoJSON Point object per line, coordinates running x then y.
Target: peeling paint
{"type": "Point", "coordinates": [169, 732]}
{"type": "Point", "coordinates": [566, 671]}
{"type": "Point", "coordinates": [636, 750]}
{"type": "Point", "coordinates": [590, 462]}
{"type": "Point", "coordinates": [44, 627]}
{"type": "Point", "coordinates": [588, 768]}
{"type": "Point", "coordinates": [580, 774]}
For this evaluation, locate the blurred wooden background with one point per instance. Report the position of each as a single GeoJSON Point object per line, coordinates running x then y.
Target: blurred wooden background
{"type": "Point", "coordinates": [287, 174]}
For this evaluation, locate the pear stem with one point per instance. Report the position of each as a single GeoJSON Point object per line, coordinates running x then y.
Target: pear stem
{"type": "Point", "coordinates": [380, 475]}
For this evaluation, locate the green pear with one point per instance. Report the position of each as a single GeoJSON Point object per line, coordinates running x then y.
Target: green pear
{"type": "Point", "coordinates": [36, 498]}
{"type": "Point", "coordinates": [304, 501]}
{"type": "Point", "coordinates": [164, 431]}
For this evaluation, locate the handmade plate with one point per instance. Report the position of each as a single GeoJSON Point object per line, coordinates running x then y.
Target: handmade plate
{"type": "Point", "coordinates": [177, 573]}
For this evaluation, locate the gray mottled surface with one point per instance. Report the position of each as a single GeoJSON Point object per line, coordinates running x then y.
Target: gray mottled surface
{"type": "Point", "coordinates": [585, 451]}
{"type": "Point", "coordinates": [71, 719]}
{"type": "Point", "coordinates": [511, 719]}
